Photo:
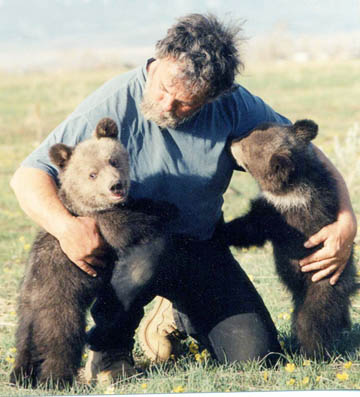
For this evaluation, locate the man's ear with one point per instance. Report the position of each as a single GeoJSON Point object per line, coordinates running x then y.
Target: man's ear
{"type": "Point", "coordinates": [281, 166]}
{"type": "Point", "coordinates": [60, 154]}
{"type": "Point", "coordinates": [305, 130]}
{"type": "Point", "coordinates": [106, 128]}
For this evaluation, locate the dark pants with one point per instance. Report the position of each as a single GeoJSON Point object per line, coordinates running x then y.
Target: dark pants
{"type": "Point", "coordinates": [215, 301]}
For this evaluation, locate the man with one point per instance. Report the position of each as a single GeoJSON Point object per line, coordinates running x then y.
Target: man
{"type": "Point", "coordinates": [175, 116]}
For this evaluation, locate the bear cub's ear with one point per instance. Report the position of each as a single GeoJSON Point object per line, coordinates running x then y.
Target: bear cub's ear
{"type": "Point", "coordinates": [60, 154]}
{"type": "Point", "coordinates": [106, 128]}
{"type": "Point", "coordinates": [306, 130]}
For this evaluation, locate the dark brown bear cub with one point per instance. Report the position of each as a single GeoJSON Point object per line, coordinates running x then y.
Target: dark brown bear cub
{"type": "Point", "coordinates": [298, 197]}
{"type": "Point", "coordinates": [55, 294]}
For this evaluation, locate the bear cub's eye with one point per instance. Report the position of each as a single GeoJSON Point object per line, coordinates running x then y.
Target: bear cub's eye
{"type": "Point", "coordinates": [114, 163]}
{"type": "Point", "coordinates": [93, 175]}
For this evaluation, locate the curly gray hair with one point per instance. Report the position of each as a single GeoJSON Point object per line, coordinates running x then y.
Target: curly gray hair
{"type": "Point", "coordinates": [208, 51]}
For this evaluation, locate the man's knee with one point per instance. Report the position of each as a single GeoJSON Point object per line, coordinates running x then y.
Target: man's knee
{"type": "Point", "coordinates": [243, 337]}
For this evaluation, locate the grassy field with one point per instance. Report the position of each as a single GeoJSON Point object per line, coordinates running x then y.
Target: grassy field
{"type": "Point", "coordinates": [31, 105]}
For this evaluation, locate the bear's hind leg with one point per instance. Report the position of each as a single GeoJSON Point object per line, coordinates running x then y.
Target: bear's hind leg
{"type": "Point", "coordinates": [58, 370]}
{"type": "Point", "coordinates": [25, 368]}
{"type": "Point", "coordinates": [320, 318]}
{"type": "Point", "coordinates": [61, 339]}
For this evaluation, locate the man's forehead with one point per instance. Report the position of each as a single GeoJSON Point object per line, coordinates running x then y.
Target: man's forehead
{"type": "Point", "coordinates": [173, 77]}
{"type": "Point", "coordinates": [172, 67]}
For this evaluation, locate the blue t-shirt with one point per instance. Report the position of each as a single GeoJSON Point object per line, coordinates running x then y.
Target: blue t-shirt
{"type": "Point", "coordinates": [189, 166]}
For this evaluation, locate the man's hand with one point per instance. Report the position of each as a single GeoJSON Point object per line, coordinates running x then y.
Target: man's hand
{"type": "Point", "coordinates": [337, 239]}
{"type": "Point", "coordinates": [81, 242]}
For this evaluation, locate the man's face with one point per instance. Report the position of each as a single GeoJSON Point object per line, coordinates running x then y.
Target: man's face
{"type": "Point", "coordinates": [167, 98]}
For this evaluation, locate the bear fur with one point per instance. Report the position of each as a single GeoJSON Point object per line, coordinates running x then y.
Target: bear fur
{"type": "Point", "coordinates": [55, 294]}
{"type": "Point", "coordinates": [298, 198]}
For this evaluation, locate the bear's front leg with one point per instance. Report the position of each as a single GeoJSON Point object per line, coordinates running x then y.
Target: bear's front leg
{"type": "Point", "coordinates": [250, 229]}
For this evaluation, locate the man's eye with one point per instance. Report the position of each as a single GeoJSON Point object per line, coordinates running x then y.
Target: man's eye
{"type": "Point", "coordinates": [93, 175]}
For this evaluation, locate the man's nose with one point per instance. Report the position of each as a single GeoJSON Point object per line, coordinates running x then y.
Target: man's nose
{"type": "Point", "coordinates": [168, 103]}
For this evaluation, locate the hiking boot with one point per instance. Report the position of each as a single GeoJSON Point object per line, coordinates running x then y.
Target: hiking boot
{"type": "Point", "coordinates": [158, 335]}
{"type": "Point", "coordinates": [108, 366]}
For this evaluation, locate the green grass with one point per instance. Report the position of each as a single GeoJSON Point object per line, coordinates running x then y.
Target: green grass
{"type": "Point", "coordinates": [31, 105]}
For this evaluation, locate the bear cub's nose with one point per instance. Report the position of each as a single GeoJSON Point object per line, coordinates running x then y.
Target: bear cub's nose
{"type": "Point", "coordinates": [117, 187]}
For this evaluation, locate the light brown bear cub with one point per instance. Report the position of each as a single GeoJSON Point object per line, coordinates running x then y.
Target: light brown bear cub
{"type": "Point", "coordinates": [55, 294]}
{"type": "Point", "coordinates": [298, 198]}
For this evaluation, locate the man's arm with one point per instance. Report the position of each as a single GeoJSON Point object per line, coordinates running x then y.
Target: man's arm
{"type": "Point", "coordinates": [337, 238]}
{"type": "Point", "coordinates": [36, 193]}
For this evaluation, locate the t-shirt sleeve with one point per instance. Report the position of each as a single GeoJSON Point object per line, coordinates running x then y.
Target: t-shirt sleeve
{"type": "Point", "coordinates": [70, 132]}
{"type": "Point", "coordinates": [252, 111]}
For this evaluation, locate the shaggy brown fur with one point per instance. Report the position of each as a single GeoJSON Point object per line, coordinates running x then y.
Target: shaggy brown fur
{"type": "Point", "coordinates": [55, 294]}
{"type": "Point", "coordinates": [298, 198]}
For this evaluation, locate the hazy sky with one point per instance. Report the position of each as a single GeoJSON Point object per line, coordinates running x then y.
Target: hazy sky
{"type": "Point", "coordinates": [52, 33]}
{"type": "Point", "coordinates": [48, 23]}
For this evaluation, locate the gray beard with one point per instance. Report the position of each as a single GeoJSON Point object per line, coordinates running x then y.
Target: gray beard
{"type": "Point", "coordinates": [151, 112]}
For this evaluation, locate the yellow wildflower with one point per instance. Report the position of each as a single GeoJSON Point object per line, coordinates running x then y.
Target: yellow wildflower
{"type": "Point", "coordinates": [205, 354]}
{"type": "Point", "coordinates": [284, 316]}
{"type": "Point", "coordinates": [290, 382]}
{"type": "Point", "coordinates": [348, 365]}
{"type": "Point", "coordinates": [266, 376]}
{"type": "Point", "coordinates": [27, 247]}
{"type": "Point", "coordinates": [306, 380]}
{"type": "Point", "coordinates": [306, 363]}
{"type": "Point", "coordinates": [12, 350]}
{"type": "Point", "coordinates": [290, 367]}
{"type": "Point", "coordinates": [178, 389]}
{"type": "Point", "coordinates": [85, 356]}
{"type": "Point", "coordinates": [144, 386]}
{"type": "Point", "coordinates": [10, 360]}
{"type": "Point", "coordinates": [318, 379]}
{"type": "Point", "coordinates": [193, 347]}
{"type": "Point", "coordinates": [342, 376]}
{"type": "Point", "coordinates": [198, 357]}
